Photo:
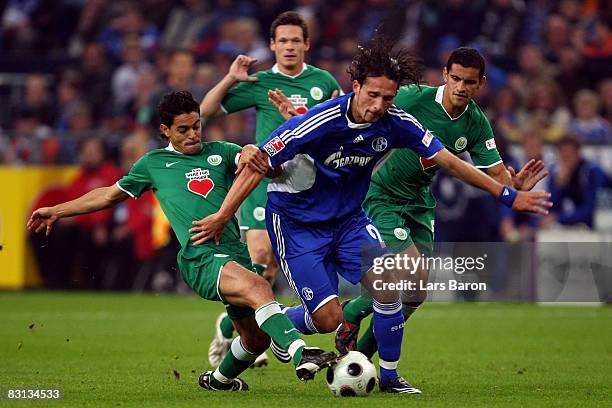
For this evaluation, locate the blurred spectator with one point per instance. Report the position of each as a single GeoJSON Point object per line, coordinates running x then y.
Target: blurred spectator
{"type": "Point", "coordinates": [37, 98]}
{"type": "Point", "coordinates": [181, 69]}
{"type": "Point", "coordinates": [131, 240]}
{"type": "Point", "coordinates": [68, 97]}
{"type": "Point", "coordinates": [557, 37]}
{"type": "Point", "coordinates": [184, 23]}
{"type": "Point", "coordinates": [546, 110]}
{"type": "Point", "coordinates": [572, 73]}
{"type": "Point", "coordinates": [75, 257]}
{"type": "Point", "coordinates": [125, 78]}
{"type": "Point", "coordinates": [504, 114]}
{"type": "Point", "coordinates": [588, 126]}
{"type": "Point", "coordinates": [500, 29]}
{"type": "Point", "coordinates": [129, 22]}
{"type": "Point", "coordinates": [573, 183]}
{"type": "Point", "coordinates": [605, 93]}
{"type": "Point", "coordinates": [96, 71]}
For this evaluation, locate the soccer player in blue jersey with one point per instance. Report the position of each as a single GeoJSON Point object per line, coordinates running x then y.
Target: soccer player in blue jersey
{"type": "Point", "coordinates": [321, 165]}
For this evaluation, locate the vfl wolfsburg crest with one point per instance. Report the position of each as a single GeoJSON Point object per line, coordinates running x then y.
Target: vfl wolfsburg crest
{"type": "Point", "coordinates": [214, 160]}
{"type": "Point", "coordinates": [259, 213]}
{"type": "Point", "coordinates": [400, 234]}
{"type": "Point", "coordinates": [316, 93]}
{"type": "Point", "coordinates": [460, 143]}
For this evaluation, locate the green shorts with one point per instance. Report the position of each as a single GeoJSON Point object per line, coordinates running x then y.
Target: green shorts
{"type": "Point", "coordinates": [401, 224]}
{"type": "Point", "coordinates": [253, 209]}
{"type": "Point", "coordinates": [201, 268]}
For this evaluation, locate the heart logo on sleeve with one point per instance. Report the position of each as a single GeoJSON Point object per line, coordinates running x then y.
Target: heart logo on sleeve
{"type": "Point", "coordinates": [199, 183]}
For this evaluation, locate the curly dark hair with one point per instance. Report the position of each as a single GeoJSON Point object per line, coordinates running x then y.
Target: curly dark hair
{"type": "Point", "coordinates": [175, 104]}
{"type": "Point", "coordinates": [380, 58]}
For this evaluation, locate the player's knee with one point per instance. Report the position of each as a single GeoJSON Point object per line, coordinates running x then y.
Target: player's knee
{"type": "Point", "coordinates": [328, 322]}
{"type": "Point", "coordinates": [259, 290]}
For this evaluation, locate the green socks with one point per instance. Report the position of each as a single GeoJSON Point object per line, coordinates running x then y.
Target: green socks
{"type": "Point", "coordinates": [227, 328]}
{"type": "Point", "coordinates": [359, 308]}
{"type": "Point", "coordinates": [278, 326]}
{"type": "Point", "coordinates": [235, 362]}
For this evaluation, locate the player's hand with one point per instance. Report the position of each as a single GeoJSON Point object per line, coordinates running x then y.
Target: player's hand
{"type": "Point", "coordinates": [532, 201]}
{"type": "Point", "coordinates": [208, 228]}
{"type": "Point", "coordinates": [334, 94]}
{"type": "Point", "coordinates": [280, 101]}
{"type": "Point", "coordinates": [239, 70]}
{"type": "Point", "coordinates": [42, 219]}
{"type": "Point", "coordinates": [529, 175]}
{"type": "Point", "coordinates": [254, 158]}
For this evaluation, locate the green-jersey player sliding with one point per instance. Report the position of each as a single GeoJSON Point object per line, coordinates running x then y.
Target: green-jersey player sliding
{"type": "Point", "coordinates": [191, 179]}
{"type": "Point", "coordinates": [400, 201]}
{"type": "Point", "coordinates": [305, 85]}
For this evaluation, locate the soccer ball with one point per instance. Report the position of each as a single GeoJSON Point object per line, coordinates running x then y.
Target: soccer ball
{"type": "Point", "coordinates": [353, 375]}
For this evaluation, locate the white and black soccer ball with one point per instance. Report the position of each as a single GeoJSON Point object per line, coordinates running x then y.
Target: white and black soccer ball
{"type": "Point", "coordinates": [353, 375]}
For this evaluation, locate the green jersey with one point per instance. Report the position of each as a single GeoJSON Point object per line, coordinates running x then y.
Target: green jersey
{"type": "Point", "coordinates": [406, 175]}
{"type": "Point", "coordinates": [308, 88]}
{"type": "Point", "coordinates": [188, 187]}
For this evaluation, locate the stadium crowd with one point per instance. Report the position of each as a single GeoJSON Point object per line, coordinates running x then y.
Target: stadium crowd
{"type": "Point", "coordinates": [76, 70]}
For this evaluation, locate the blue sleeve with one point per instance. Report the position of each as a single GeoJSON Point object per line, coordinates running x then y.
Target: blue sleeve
{"type": "Point", "coordinates": [408, 132]}
{"type": "Point", "coordinates": [292, 136]}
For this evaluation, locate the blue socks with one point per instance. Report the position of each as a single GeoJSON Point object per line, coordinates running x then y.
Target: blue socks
{"type": "Point", "coordinates": [301, 319]}
{"type": "Point", "coordinates": [388, 329]}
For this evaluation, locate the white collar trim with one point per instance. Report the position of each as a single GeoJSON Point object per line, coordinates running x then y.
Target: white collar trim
{"type": "Point", "coordinates": [172, 149]}
{"type": "Point", "coordinates": [440, 97]}
{"type": "Point", "coordinates": [349, 122]}
{"type": "Point", "coordinates": [278, 71]}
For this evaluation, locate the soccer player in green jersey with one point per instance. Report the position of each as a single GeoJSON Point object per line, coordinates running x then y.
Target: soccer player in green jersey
{"type": "Point", "coordinates": [306, 86]}
{"type": "Point", "coordinates": [400, 201]}
{"type": "Point", "coordinates": [191, 179]}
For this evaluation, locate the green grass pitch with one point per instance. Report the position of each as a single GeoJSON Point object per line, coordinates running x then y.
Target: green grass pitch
{"type": "Point", "coordinates": [147, 351]}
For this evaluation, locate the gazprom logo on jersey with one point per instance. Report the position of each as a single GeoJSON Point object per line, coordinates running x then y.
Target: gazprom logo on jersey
{"type": "Point", "coordinates": [336, 160]}
{"type": "Point", "coordinates": [274, 146]}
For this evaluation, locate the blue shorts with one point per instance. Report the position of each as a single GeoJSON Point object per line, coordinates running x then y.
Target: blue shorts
{"type": "Point", "coordinates": [312, 255]}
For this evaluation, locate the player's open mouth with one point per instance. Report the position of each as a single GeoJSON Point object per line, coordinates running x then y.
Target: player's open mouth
{"type": "Point", "coordinates": [462, 96]}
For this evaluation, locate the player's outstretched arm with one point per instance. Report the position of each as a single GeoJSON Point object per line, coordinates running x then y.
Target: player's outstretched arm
{"type": "Point", "coordinates": [280, 101]}
{"type": "Point", "coordinates": [526, 201]}
{"type": "Point", "coordinates": [212, 226]}
{"type": "Point", "coordinates": [95, 200]}
{"type": "Point", "coordinates": [238, 72]}
{"type": "Point", "coordinates": [524, 180]}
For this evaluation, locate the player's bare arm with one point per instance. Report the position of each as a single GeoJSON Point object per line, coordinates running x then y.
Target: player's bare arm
{"type": "Point", "coordinates": [526, 201]}
{"type": "Point", "coordinates": [95, 200]}
{"type": "Point", "coordinates": [211, 227]}
{"type": "Point", "coordinates": [531, 173]}
{"type": "Point", "coordinates": [280, 101]}
{"type": "Point", "coordinates": [238, 72]}
{"type": "Point", "coordinates": [251, 156]}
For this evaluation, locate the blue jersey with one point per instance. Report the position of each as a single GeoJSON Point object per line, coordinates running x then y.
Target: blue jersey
{"type": "Point", "coordinates": [327, 160]}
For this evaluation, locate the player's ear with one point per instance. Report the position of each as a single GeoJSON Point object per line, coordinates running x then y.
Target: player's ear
{"type": "Point", "coordinates": [272, 45]}
{"type": "Point", "coordinates": [165, 130]}
{"type": "Point", "coordinates": [483, 81]}
{"type": "Point", "coordinates": [445, 74]}
{"type": "Point", "coordinates": [356, 86]}
{"type": "Point", "coordinates": [307, 44]}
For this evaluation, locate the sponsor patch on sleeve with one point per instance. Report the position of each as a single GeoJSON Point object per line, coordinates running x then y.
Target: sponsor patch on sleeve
{"type": "Point", "coordinates": [274, 146]}
{"type": "Point", "coordinates": [427, 138]}
{"type": "Point", "coordinates": [490, 144]}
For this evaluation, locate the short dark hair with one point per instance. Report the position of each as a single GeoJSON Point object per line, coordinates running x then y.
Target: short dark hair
{"type": "Point", "coordinates": [175, 104]}
{"type": "Point", "coordinates": [468, 58]}
{"type": "Point", "coordinates": [380, 59]}
{"type": "Point", "coordinates": [289, 18]}
{"type": "Point", "coordinates": [570, 140]}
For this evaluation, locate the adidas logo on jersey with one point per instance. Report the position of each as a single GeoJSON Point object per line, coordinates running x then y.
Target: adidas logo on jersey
{"type": "Point", "coordinates": [358, 139]}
